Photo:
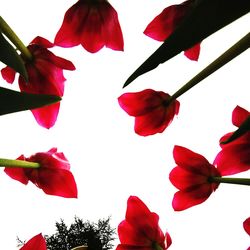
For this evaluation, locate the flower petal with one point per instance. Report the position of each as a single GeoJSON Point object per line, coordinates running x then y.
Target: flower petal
{"type": "Point", "coordinates": [193, 53]}
{"type": "Point", "coordinates": [191, 161]}
{"type": "Point", "coordinates": [233, 159]}
{"type": "Point", "coordinates": [8, 74]}
{"type": "Point", "coordinates": [46, 116]}
{"type": "Point", "coordinates": [42, 42]}
{"type": "Point", "coordinates": [17, 174]}
{"type": "Point", "coordinates": [129, 235]}
{"type": "Point", "coordinates": [246, 225]}
{"type": "Point", "coordinates": [183, 179]}
{"type": "Point", "coordinates": [189, 198]}
{"type": "Point", "coordinates": [56, 182]}
{"type": "Point", "coordinates": [239, 115]}
{"type": "Point", "coordinates": [35, 243]}
{"type": "Point", "coordinates": [140, 103]}
{"type": "Point", "coordinates": [69, 33]}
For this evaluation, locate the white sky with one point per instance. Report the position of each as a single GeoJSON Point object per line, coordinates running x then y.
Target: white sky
{"type": "Point", "coordinates": [109, 161]}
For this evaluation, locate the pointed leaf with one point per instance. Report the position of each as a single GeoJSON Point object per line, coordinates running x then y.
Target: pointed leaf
{"type": "Point", "coordinates": [14, 101]}
{"type": "Point", "coordinates": [10, 57]}
{"type": "Point", "coordinates": [206, 17]}
{"type": "Point", "coordinates": [244, 128]}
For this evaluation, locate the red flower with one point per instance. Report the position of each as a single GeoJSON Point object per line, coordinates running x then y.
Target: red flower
{"type": "Point", "coordinates": [45, 72]}
{"type": "Point", "coordinates": [166, 22]}
{"type": "Point", "coordinates": [35, 243]}
{"type": "Point", "coordinates": [151, 110]}
{"type": "Point", "coordinates": [246, 225]}
{"type": "Point", "coordinates": [140, 229]}
{"type": "Point", "coordinates": [234, 156]}
{"type": "Point", "coordinates": [191, 177]}
{"type": "Point", "coordinates": [53, 176]}
{"type": "Point", "coordinates": [91, 23]}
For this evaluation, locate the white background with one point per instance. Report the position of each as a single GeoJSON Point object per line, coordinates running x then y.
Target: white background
{"type": "Point", "coordinates": [109, 161]}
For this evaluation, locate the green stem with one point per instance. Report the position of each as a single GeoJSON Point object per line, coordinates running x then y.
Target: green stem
{"type": "Point", "coordinates": [242, 45]}
{"type": "Point", "coordinates": [229, 180]}
{"type": "Point", "coordinates": [8, 32]}
{"type": "Point", "coordinates": [18, 163]}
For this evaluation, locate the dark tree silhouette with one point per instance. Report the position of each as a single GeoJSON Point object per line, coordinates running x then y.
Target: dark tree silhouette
{"type": "Point", "coordinates": [97, 236]}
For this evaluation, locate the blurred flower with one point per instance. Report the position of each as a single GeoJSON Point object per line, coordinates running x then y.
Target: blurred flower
{"type": "Point", "coordinates": [91, 23]}
{"type": "Point", "coordinates": [163, 25]}
{"type": "Point", "coordinates": [246, 225]}
{"type": "Point", "coordinates": [191, 177]}
{"type": "Point", "coordinates": [234, 156]}
{"type": "Point", "coordinates": [151, 109]}
{"type": "Point", "coordinates": [140, 229]}
{"type": "Point", "coordinates": [35, 243]}
{"type": "Point", "coordinates": [53, 176]}
{"type": "Point", "coordinates": [45, 73]}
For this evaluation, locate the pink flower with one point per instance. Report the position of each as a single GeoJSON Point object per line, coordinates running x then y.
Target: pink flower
{"type": "Point", "coordinates": [35, 243]}
{"type": "Point", "coordinates": [234, 156]}
{"type": "Point", "coordinates": [163, 25]}
{"type": "Point", "coordinates": [91, 23]}
{"type": "Point", "coordinates": [140, 229]}
{"type": "Point", "coordinates": [45, 73]}
{"type": "Point", "coordinates": [191, 177]}
{"type": "Point", "coordinates": [151, 109]}
{"type": "Point", "coordinates": [53, 176]}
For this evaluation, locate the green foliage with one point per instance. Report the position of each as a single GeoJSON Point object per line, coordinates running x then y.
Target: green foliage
{"type": "Point", "coordinates": [14, 101]}
{"type": "Point", "coordinates": [97, 236]}
{"type": "Point", "coordinates": [205, 18]}
{"type": "Point", "coordinates": [10, 57]}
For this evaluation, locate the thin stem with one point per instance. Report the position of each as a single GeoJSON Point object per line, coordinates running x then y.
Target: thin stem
{"type": "Point", "coordinates": [6, 29]}
{"type": "Point", "coordinates": [18, 163]}
{"type": "Point", "coordinates": [242, 45]}
{"type": "Point", "coordinates": [229, 180]}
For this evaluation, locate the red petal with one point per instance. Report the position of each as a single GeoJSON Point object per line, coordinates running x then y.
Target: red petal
{"type": "Point", "coordinates": [62, 63]}
{"type": "Point", "coordinates": [8, 74]}
{"type": "Point", "coordinates": [51, 159]}
{"type": "Point", "coordinates": [42, 42]}
{"type": "Point", "coordinates": [111, 30]}
{"type": "Point", "coordinates": [17, 174]}
{"type": "Point", "coordinates": [233, 159]}
{"type": "Point", "coordinates": [239, 115]}
{"type": "Point", "coordinates": [46, 116]}
{"type": "Point", "coordinates": [191, 161]}
{"type": "Point", "coordinates": [193, 53]}
{"type": "Point", "coordinates": [35, 243]}
{"type": "Point", "coordinates": [140, 103]}
{"type": "Point", "coordinates": [130, 235]}
{"type": "Point", "coordinates": [183, 179]}
{"type": "Point", "coordinates": [56, 182]}
{"type": "Point", "coordinates": [166, 22]}
{"type": "Point", "coordinates": [69, 33]}
{"type": "Point", "coordinates": [168, 240]}
{"type": "Point", "coordinates": [154, 122]}
{"type": "Point", "coordinates": [246, 225]}
{"type": "Point", "coordinates": [186, 199]}
{"type": "Point", "coordinates": [139, 216]}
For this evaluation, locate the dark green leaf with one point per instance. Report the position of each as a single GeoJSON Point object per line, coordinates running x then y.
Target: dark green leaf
{"type": "Point", "coordinates": [206, 17]}
{"type": "Point", "coordinates": [10, 57]}
{"type": "Point", "coordinates": [244, 128]}
{"type": "Point", "coordinates": [14, 101]}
